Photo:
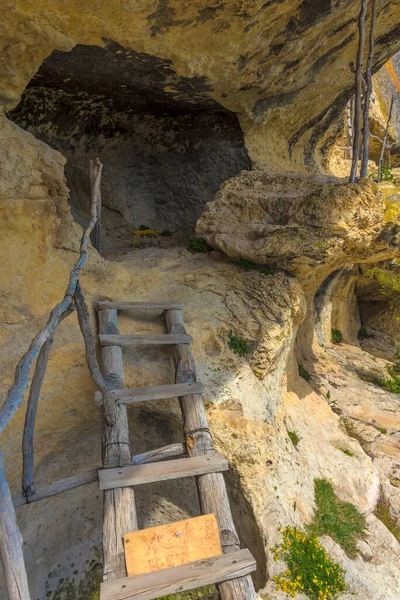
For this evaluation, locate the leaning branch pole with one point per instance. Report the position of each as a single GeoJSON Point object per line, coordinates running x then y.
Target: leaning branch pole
{"type": "Point", "coordinates": [385, 137]}
{"type": "Point", "coordinates": [358, 95]}
{"type": "Point", "coordinates": [367, 100]}
{"type": "Point", "coordinates": [28, 486]}
{"type": "Point", "coordinates": [16, 393]}
{"type": "Point", "coordinates": [11, 544]}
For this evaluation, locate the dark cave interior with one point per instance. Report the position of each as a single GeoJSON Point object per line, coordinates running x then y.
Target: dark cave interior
{"type": "Point", "coordinates": [166, 145]}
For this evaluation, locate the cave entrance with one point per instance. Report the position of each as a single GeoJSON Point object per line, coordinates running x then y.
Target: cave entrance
{"type": "Point", "coordinates": [166, 145]}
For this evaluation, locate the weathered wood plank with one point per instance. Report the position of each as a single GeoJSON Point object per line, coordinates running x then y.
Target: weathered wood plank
{"type": "Point", "coordinates": [139, 305]}
{"type": "Point", "coordinates": [150, 338]}
{"type": "Point", "coordinates": [163, 471]}
{"type": "Point", "coordinates": [11, 544]}
{"type": "Point", "coordinates": [159, 454]}
{"type": "Point", "coordinates": [119, 504]}
{"type": "Point", "coordinates": [212, 490]}
{"type": "Point", "coordinates": [155, 392]}
{"type": "Point", "coordinates": [57, 487]}
{"type": "Point", "coordinates": [180, 579]}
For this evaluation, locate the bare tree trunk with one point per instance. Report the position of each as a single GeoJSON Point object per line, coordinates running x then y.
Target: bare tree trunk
{"type": "Point", "coordinates": [358, 95]}
{"type": "Point", "coordinates": [11, 544]}
{"type": "Point", "coordinates": [367, 100]}
{"type": "Point", "coordinates": [385, 137]}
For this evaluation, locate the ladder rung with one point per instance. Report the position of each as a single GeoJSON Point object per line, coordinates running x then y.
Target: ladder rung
{"type": "Point", "coordinates": [156, 392]}
{"type": "Point", "coordinates": [161, 471]}
{"type": "Point", "coordinates": [151, 338]}
{"type": "Point", "coordinates": [139, 306]}
{"type": "Point", "coordinates": [180, 579]}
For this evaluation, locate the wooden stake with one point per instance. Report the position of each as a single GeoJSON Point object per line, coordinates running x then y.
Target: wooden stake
{"type": "Point", "coordinates": [358, 95]}
{"type": "Point", "coordinates": [119, 504]}
{"type": "Point", "coordinates": [385, 137]}
{"type": "Point", "coordinates": [368, 92]}
{"type": "Point", "coordinates": [11, 544]}
{"type": "Point", "coordinates": [212, 489]}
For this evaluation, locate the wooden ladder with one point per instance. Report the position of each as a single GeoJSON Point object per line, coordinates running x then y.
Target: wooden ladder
{"type": "Point", "coordinates": [231, 571]}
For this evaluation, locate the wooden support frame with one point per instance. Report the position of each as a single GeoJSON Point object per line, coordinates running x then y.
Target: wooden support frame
{"type": "Point", "coordinates": [163, 471]}
{"type": "Point", "coordinates": [180, 579]}
{"type": "Point", "coordinates": [119, 504]}
{"type": "Point", "coordinates": [156, 392]}
{"type": "Point", "coordinates": [212, 490]}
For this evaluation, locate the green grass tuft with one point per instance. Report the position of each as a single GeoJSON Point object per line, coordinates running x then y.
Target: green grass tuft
{"type": "Point", "coordinates": [310, 570]}
{"type": "Point", "coordinates": [336, 336]}
{"type": "Point", "coordinates": [346, 451]}
{"type": "Point", "coordinates": [304, 373]}
{"type": "Point", "coordinates": [197, 244]}
{"type": "Point", "coordinates": [382, 512]}
{"type": "Point", "coordinates": [340, 520]}
{"type": "Point", "coordinates": [239, 345]}
{"type": "Point", "coordinates": [294, 438]}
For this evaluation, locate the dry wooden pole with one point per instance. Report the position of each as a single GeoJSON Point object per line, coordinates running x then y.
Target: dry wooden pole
{"type": "Point", "coordinates": [358, 95]}
{"type": "Point", "coordinates": [367, 98]}
{"type": "Point", "coordinates": [16, 393]}
{"type": "Point", "coordinates": [119, 504]}
{"type": "Point", "coordinates": [11, 544]}
{"type": "Point", "coordinates": [84, 323]}
{"type": "Point", "coordinates": [95, 235]}
{"type": "Point", "coordinates": [212, 489]}
{"type": "Point", "coordinates": [385, 137]}
{"type": "Point", "coordinates": [349, 148]}
{"type": "Point", "coordinates": [28, 486]}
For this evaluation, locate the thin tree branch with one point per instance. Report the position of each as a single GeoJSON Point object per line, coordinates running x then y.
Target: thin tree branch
{"type": "Point", "coordinates": [385, 137]}
{"type": "Point", "coordinates": [367, 99]}
{"type": "Point", "coordinates": [28, 487]}
{"type": "Point", "coordinates": [358, 95]}
{"type": "Point", "coordinates": [109, 405]}
{"type": "Point", "coordinates": [16, 393]}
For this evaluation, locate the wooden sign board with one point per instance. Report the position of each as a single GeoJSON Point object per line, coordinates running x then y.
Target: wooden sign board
{"type": "Point", "coordinates": [172, 545]}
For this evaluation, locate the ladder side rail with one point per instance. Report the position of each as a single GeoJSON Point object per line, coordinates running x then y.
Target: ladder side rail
{"type": "Point", "coordinates": [119, 504]}
{"type": "Point", "coordinates": [212, 489]}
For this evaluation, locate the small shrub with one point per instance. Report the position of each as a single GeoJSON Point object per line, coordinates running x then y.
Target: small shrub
{"type": "Point", "coordinates": [382, 430]}
{"type": "Point", "coordinates": [387, 174]}
{"type": "Point", "coordinates": [388, 281]}
{"type": "Point", "coordinates": [197, 244]}
{"type": "Point", "coordinates": [310, 570]}
{"type": "Point", "coordinates": [382, 512]}
{"type": "Point", "coordinates": [346, 451]}
{"type": "Point", "coordinates": [144, 227]}
{"type": "Point", "coordinates": [363, 334]}
{"type": "Point", "coordinates": [340, 520]}
{"type": "Point", "coordinates": [239, 345]}
{"type": "Point", "coordinates": [294, 438]}
{"type": "Point", "coordinates": [166, 233]}
{"type": "Point", "coordinates": [304, 373]}
{"type": "Point", "coordinates": [249, 265]}
{"type": "Point", "coordinates": [336, 336]}
{"type": "Point", "coordinates": [390, 384]}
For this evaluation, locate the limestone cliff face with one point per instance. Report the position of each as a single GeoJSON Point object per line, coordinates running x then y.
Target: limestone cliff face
{"type": "Point", "coordinates": [185, 69]}
{"type": "Point", "coordinates": [282, 66]}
